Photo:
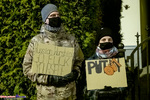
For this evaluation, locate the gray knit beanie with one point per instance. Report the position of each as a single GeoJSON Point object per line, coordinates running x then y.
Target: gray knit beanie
{"type": "Point", "coordinates": [46, 10]}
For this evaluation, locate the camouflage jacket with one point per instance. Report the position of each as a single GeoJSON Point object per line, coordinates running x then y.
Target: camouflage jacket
{"type": "Point", "coordinates": [45, 91]}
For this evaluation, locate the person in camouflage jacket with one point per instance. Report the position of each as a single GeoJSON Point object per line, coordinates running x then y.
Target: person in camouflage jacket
{"type": "Point", "coordinates": [53, 87]}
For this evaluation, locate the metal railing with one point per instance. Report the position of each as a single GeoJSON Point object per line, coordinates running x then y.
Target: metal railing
{"type": "Point", "coordinates": [131, 59]}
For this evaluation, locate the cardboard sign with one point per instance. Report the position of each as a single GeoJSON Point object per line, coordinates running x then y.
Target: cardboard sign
{"type": "Point", "coordinates": [52, 60]}
{"type": "Point", "coordinates": [105, 72]}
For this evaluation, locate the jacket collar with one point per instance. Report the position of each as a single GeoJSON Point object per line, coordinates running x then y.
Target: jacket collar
{"type": "Point", "coordinates": [60, 34]}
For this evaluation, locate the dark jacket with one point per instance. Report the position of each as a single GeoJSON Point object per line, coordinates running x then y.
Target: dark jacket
{"type": "Point", "coordinates": [108, 93]}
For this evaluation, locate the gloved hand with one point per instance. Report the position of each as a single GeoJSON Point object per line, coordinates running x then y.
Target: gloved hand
{"type": "Point", "coordinates": [54, 80]}
{"type": "Point", "coordinates": [60, 81]}
{"type": "Point", "coordinates": [107, 88]}
{"type": "Point", "coordinates": [71, 76]}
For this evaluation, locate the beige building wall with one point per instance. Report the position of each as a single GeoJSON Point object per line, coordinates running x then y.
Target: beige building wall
{"type": "Point", "coordinates": [130, 25]}
{"type": "Point", "coordinates": [130, 21]}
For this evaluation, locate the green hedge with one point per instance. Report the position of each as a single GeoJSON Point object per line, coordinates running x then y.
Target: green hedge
{"type": "Point", "coordinates": [20, 20]}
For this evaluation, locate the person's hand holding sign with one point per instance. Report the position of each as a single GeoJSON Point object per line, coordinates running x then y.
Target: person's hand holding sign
{"type": "Point", "coordinates": [60, 81]}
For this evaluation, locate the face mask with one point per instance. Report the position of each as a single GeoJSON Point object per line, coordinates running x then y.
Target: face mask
{"type": "Point", "coordinates": [55, 22]}
{"type": "Point", "coordinates": [106, 45]}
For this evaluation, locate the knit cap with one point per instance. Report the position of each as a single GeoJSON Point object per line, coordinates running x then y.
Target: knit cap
{"type": "Point", "coordinates": [105, 31]}
{"type": "Point", "coordinates": [46, 10]}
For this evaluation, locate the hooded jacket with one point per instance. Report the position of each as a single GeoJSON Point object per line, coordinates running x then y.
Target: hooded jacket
{"type": "Point", "coordinates": [44, 89]}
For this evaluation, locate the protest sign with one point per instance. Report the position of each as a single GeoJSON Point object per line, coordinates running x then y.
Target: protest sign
{"type": "Point", "coordinates": [105, 72]}
{"type": "Point", "coordinates": [52, 60]}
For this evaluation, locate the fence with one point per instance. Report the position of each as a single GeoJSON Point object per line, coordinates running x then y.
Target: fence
{"type": "Point", "coordinates": [140, 92]}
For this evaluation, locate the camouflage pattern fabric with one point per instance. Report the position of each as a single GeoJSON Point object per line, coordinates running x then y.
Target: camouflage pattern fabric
{"type": "Point", "coordinates": [44, 90]}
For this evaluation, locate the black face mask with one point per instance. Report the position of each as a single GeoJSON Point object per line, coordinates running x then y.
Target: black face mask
{"type": "Point", "coordinates": [55, 22]}
{"type": "Point", "coordinates": [106, 45]}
